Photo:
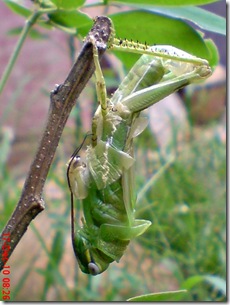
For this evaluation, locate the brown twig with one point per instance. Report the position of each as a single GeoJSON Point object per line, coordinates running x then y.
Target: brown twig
{"type": "Point", "coordinates": [62, 101]}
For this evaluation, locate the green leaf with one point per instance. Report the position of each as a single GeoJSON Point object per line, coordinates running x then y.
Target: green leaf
{"type": "Point", "coordinates": [216, 281]}
{"type": "Point", "coordinates": [158, 29]}
{"type": "Point", "coordinates": [47, 4]}
{"type": "Point", "coordinates": [160, 296]}
{"type": "Point", "coordinates": [166, 2]}
{"type": "Point", "coordinates": [213, 51]}
{"type": "Point", "coordinates": [192, 281]}
{"type": "Point", "coordinates": [202, 18]}
{"type": "Point", "coordinates": [18, 8]}
{"type": "Point", "coordinates": [71, 19]}
{"type": "Point", "coordinates": [68, 5]}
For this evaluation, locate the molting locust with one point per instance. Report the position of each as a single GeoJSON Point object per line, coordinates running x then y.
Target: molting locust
{"type": "Point", "coordinates": [105, 182]}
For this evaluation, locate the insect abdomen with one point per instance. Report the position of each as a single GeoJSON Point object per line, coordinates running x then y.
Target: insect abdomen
{"type": "Point", "coordinates": [106, 205]}
{"type": "Point", "coordinates": [101, 207]}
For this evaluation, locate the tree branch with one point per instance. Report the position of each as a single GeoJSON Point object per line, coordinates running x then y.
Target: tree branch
{"type": "Point", "coordinates": [62, 101]}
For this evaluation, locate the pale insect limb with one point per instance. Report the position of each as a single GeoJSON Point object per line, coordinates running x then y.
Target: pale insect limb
{"type": "Point", "coordinates": [161, 51]}
{"type": "Point", "coordinates": [96, 126]}
{"type": "Point", "coordinates": [129, 194]}
{"type": "Point", "coordinates": [146, 72]}
{"type": "Point", "coordinates": [112, 232]}
{"type": "Point", "coordinates": [102, 110]}
{"type": "Point", "coordinates": [100, 81]}
{"type": "Point", "coordinates": [138, 126]}
{"type": "Point", "coordinates": [143, 99]}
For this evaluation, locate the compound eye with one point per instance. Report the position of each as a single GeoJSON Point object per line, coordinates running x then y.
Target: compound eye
{"type": "Point", "coordinates": [77, 159]}
{"type": "Point", "coordinates": [75, 162]}
{"type": "Point", "coordinates": [93, 269]}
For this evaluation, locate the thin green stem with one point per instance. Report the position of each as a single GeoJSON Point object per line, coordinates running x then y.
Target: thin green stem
{"type": "Point", "coordinates": [29, 23]}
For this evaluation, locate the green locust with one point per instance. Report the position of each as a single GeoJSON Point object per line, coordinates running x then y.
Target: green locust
{"type": "Point", "coordinates": [105, 181]}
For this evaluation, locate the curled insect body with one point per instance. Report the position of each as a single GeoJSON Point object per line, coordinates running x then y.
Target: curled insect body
{"type": "Point", "coordinates": [105, 182]}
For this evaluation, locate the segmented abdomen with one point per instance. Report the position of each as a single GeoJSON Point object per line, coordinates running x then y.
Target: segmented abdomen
{"type": "Point", "coordinates": [102, 207]}
{"type": "Point", "coordinates": [108, 205]}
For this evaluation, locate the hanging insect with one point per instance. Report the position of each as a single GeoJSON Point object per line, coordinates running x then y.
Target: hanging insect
{"type": "Point", "coordinates": [105, 182]}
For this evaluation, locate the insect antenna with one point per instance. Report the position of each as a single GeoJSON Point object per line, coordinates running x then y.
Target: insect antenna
{"type": "Point", "coordinates": [80, 147]}
{"type": "Point", "coordinates": [73, 156]}
{"type": "Point", "coordinates": [71, 193]}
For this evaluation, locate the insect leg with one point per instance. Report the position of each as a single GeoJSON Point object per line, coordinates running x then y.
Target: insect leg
{"type": "Point", "coordinates": [123, 232]}
{"type": "Point", "coordinates": [160, 51]}
{"type": "Point", "coordinates": [144, 98]}
{"type": "Point", "coordinates": [101, 94]}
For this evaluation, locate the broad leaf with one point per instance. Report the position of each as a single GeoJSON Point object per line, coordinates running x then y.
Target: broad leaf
{"type": "Point", "coordinates": [72, 19]}
{"type": "Point", "coordinates": [202, 18]}
{"type": "Point", "coordinates": [68, 5]}
{"type": "Point", "coordinates": [18, 8]}
{"type": "Point", "coordinates": [168, 296]}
